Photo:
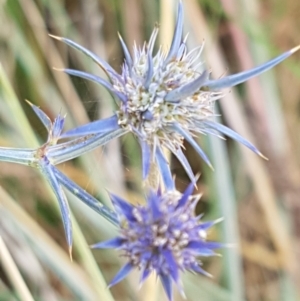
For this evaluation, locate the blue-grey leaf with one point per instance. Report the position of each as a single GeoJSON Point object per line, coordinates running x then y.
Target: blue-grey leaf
{"type": "Point", "coordinates": [122, 207]}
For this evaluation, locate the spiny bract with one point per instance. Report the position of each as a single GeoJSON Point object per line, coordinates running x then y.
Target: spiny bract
{"type": "Point", "coordinates": [163, 99]}
{"type": "Point", "coordinates": [164, 237]}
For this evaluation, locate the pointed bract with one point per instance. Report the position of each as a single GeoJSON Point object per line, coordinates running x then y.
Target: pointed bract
{"type": "Point", "coordinates": [95, 79]}
{"type": "Point", "coordinates": [186, 195]}
{"type": "Point", "coordinates": [164, 168]}
{"type": "Point", "coordinates": [234, 135]}
{"type": "Point", "coordinates": [109, 244]}
{"type": "Point", "coordinates": [196, 268]}
{"type": "Point", "coordinates": [149, 73]}
{"type": "Point", "coordinates": [126, 53]}
{"type": "Point", "coordinates": [185, 164]}
{"type": "Point", "coordinates": [103, 64]}
{"type": "Point", "coordinates": [188, 89]}
{"type": "Point", "coordinates": [99, 126]}
{"type": "Point", "coordinates": [154, 201]}
{"type": "Point", "coordinates": [122, 207]}
{"type": "Point", "coordinates": [47, 170]}
{"type": "Point", "coordinates": [235, 79]}
{"type": "Point", "coordinates": [172, 265]}
{"type": "Point", "coordinates": [145, 274]}
{"type": "Point", "coordinates": [146, 158]}
{"type": "Point", "coordinates": [121, 274]}
{"type": "Point", "coordinates": [177, 34]}
{"type": "Point", "coordinates": [42, 116]}
{"type": "Point", "coordinates": [193, 143]}
{"type": "Point", "coordinates": [167, 285]}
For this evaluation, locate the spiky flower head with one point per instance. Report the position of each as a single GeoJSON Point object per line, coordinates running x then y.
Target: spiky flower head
{"type": "Point", "coordinates": [164, 237]}
{"type": "Point", "coordinates": [164, 99]}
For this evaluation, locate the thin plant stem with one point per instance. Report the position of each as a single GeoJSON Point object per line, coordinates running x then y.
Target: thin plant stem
{"type": "Point", "coordinates": [13, 273]}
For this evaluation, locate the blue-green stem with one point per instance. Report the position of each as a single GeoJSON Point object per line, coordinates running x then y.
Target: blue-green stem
{"type": "Point", "coordinates": [15, 155]}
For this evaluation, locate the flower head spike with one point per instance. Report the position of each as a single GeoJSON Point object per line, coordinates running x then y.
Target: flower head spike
{"type": "Point", "coordinates": [164, 237]}
{"type": "Point", "coordinates": [164, 98]}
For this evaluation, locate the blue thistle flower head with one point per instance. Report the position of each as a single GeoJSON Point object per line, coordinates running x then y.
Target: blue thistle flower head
{"type": "Point", "coordinates": [164, 237]}
{"type": "Point", "coordinates": [163, 99]}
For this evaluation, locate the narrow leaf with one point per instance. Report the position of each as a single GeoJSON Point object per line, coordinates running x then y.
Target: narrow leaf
{"type": "Point", "coordinates": [196, 268]}
{"type": "Point", "coordinates": [152, 39]}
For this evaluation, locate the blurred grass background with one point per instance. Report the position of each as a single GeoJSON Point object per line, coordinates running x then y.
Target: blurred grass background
{"type": "Point", "coordinates": [259, 200]}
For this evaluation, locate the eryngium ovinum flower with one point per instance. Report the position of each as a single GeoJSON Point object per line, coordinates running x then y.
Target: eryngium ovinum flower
{"type": "Point", "coordinates": [164, 237]}
{"type": "Point", "coordinates": [45, 157]}
{"type": "Point", "coordinates": [163, 99]}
